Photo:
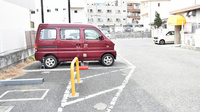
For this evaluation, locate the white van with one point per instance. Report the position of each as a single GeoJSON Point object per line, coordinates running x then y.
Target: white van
{"type": "Point", "coordinates": [167, 38]}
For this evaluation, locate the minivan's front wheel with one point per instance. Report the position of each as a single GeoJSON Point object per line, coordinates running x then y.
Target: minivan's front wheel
{"type": "Point", "coordinates": [50, 62]}
{"type": "Point", "coordinates": [107, 60]}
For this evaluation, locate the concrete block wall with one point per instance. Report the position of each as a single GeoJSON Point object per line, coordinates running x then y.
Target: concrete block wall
{"type": "Point", "coordinates": [15, 57]}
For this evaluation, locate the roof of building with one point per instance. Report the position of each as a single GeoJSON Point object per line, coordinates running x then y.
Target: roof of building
{"type": "Point", "coordinates": [186, 9]}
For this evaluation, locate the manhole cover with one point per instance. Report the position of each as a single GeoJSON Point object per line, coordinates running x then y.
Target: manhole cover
{"type": "Point", "coordinates": [100, 106]}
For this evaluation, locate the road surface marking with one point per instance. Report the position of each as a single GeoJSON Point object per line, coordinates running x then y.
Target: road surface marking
{"type": "Point", "coordinates": [103, 73]}
{"type": "Point", "coordinates": [24, 99]}
{"type": "Point", "coordinates": [114, 100]}
{"type": "Point", "coordinates": [66, 69]}
{"type": "Point", "coordinates": [91, 96]}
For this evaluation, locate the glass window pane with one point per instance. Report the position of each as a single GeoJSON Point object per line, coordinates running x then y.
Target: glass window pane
{"type": "Point", "coordinates": [69, 34]}
{"type": "Point", "coordinates": [91, 34]}
{"type": "Point", "coordinates": [48, 34]}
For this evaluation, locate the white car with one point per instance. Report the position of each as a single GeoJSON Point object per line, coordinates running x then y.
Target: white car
{"type": "Point", "coordinates": [106, 34]}
{"type": "Point", "coordinates": [167, 38]}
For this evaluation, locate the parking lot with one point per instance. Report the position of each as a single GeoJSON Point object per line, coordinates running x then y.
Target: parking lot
{"type": "Point", "coordinates": [101, 86]}
{"type": "Point", "coordinates": [144, 78]}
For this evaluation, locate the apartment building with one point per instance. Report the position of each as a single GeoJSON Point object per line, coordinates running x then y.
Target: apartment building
{"type": "Point", "coordinates": [110, 13]}
{"type": "Point", "coordinates": [148, 9]}
{"type": "Point", "coordinates": [133, 12]}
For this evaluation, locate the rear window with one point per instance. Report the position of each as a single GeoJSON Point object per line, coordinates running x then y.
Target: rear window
{"type": "Point", "coordinates": [48, 34]}
{"type": "Point", "coordinates": [69, 34]}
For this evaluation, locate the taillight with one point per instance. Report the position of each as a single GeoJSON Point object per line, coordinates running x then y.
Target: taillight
{"type": "Point", "coordinates": [35, 46]}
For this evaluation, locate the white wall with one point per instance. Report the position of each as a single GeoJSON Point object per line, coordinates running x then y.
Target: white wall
{"type": "Point", "coordinates": [81, 7]}
{"type": "Point", "coordinates": [14, 21]}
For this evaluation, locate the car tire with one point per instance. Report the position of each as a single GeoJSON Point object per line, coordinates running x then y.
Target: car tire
{"type": "Point", "coordinates": [162, 42]}
{"type": "Point", "coordinates": [50, 62]}
{"type": "Point", "coordinates": [107, 60]}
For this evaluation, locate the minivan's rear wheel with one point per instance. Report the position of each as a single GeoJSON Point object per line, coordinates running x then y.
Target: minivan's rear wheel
{"type": "Point", "coordinates": [107, 60]}
{"type": "Point", "coordinates": [50, 62]}
{"type": "Point", "coordinates": [162, 42]}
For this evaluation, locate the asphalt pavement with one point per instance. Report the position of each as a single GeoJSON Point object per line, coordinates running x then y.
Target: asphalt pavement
{"type": "Point", "coordinates": [144, 78]}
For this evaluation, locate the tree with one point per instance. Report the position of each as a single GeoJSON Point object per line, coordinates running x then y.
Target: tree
{"type": "Point", "coordinates": [157, 20]}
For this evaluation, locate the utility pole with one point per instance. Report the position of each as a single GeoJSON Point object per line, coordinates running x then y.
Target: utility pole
{"type": "Point", "coordinates": [42, 11]}
{"type": "Point", "coordinates": [69, 15]}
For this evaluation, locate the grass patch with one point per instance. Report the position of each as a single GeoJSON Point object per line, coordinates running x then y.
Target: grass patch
{"type": "Point", "coordinates": [15, 71]}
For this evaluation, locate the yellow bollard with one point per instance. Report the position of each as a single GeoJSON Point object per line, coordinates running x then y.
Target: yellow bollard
{"type": "Point", "coordinates": [72, 74]}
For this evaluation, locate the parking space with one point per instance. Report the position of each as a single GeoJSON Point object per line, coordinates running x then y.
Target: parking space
{"type": "Point", "coordinates": [101, 86]}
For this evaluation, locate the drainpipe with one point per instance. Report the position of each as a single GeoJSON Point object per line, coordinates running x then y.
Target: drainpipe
{"type": "Point", "coordinates": [69, 11]}
{"type": "Point", "coordinates": [42, 11]}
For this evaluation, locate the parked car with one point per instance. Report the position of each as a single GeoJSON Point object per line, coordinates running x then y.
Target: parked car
{"type": "Point", "coordinates": [166, 38]}
{"type": "Point", "coordinates": [62, 42]}
{"type": "Point", "coordinates": [139, 28]}
{"type": "Point", "coordinates": [106, 34]}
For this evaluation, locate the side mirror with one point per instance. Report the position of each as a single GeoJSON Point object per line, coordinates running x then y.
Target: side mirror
{"type": "Point", "coordinates": [101, 37]}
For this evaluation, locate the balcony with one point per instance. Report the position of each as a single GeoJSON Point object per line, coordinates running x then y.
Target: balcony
{"type": "Point", "coordinates": [132, 16]}
{"type": "Point", "coordinates": [133, 10]}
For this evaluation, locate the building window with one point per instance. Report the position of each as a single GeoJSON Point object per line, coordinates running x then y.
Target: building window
{"type": "Point", "coordinates": [75, 11]}
{"type": "Point", "coordinates": [109, 11]}
{"type": "Point", "coordinates": [118, 19]}
{"type": "Point", "coordinates": [64, 8]}
{"type": "Point", "coordinates": [124, 19]}
{"type": "Point", "coordinates": [99, 11]}
{"type": "Point", "coordinates": [117, 11]}
{"type": "Point", "coordinates": [48, 10]}
{"type": "Point", "coordinates": [109, 20]}
{"type": "Point", "coordinates": [90, 20]}
{"type": "Point", "coordinates": [100, 20]}
{"type": "Point", "coordinates": [124, 10]}
{"type": "Point", "coordinates": [32, 12]}
{"type": "Point", "coordinates": [158, 4]}
{"type": "Point", "coordinates": [90, 10]}
{"type": "Point", "coordinates": [37, 10]}
{"type": "Point", "coordinates": [56, 9]}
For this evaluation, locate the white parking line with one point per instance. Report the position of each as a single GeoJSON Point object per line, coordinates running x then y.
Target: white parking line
{"type": "Point", "coordinates": [67, 69]}
{"type": "Point", "coordinates": [90, 96]}
{"type": "Point", "coordinates": [24, 99]}
{"type": "Point", "coordinates": [103, 73]}
{"type": "Point", "coordinates": [115, 98]}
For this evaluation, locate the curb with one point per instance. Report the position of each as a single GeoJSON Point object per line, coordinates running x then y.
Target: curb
{"type": "Point", "coordinates": [21, 81]}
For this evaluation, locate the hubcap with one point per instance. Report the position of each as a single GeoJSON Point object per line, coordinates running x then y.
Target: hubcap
{"type": "Point", "coordinates": [108, 60]}
{"type": "Point", "coordinates": [50, 62]}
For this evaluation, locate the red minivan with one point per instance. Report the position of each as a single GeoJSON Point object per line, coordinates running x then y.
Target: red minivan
{"type": "Point", "coordinates": [57, 43]}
